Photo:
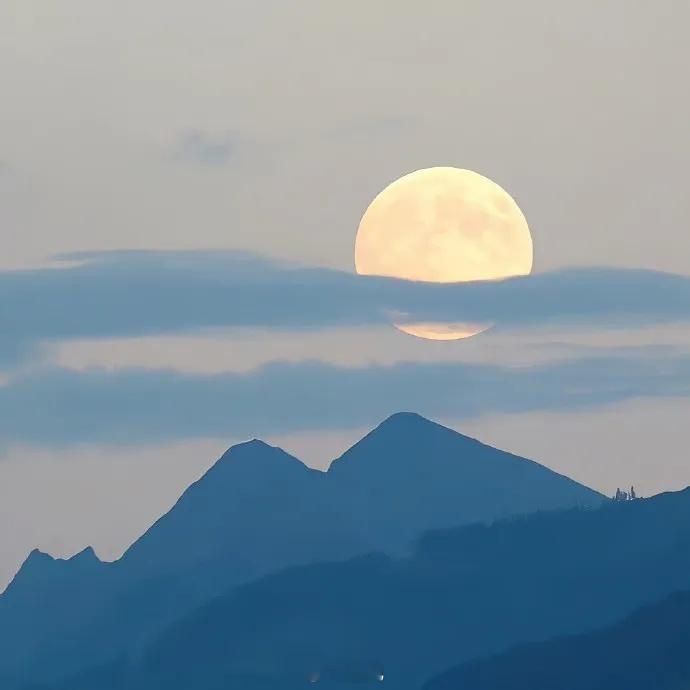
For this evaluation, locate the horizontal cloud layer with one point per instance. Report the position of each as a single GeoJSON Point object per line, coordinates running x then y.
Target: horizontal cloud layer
{"type": "Point", "coordinates": [142, 293]}
{"type": "Point", "coordinates": [58, 406]}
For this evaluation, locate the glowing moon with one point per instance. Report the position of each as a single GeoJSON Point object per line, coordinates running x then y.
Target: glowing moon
{"type": "Point", "coordinates": [443, 225]}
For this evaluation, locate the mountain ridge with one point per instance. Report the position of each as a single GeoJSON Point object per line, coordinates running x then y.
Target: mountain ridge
{"type": "Point", "coordinates": [259, 509]}
{"type": "Point", "coordinates": [236, 454]}
{"type": "Point", "coordinates": [464, 593]}
{"type": "Point", "coordinates": [645, 650]}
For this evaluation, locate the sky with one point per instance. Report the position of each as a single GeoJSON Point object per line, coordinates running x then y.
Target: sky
{"type": "Point", "coordinates": [180, 187]}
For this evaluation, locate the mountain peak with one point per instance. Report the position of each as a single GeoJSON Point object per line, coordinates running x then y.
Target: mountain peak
{"type": "Point", "coordinates": [87, 555]}
{"type": "Point", "coordinates": [39, 560]}
{"type": "Point", "coordinates": [33, 570]}
{"type": "Point", "coordinates": [254, 444]}
{"type": "Point", "coordinates": [405, 418]}
{"type": "Point", "coordinates": [41, 568]}
{"type": "Point", "coordinates": [402, 428]}
{"type": "Point", "coordinates": [240, 495]}
{"type": "Point", "coordinates": [458, 479]}
{"type": "Point", "coordinates": [250, 463]}
{"type": "Point", "coordinates": [402, 422]}
{"type": "Point", "coordinates": [399, 436]}
{"type": "Point", "coordinates": [37, 557]}
{"type": "Point", "coordinates": [255, 454]}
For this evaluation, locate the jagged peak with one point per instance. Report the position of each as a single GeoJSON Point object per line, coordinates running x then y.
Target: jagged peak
{"type": "Point", "coordinates": [37, 556]}
{"type": "Point", "coordinates": [40, 567]}
{"type": "Point", "coordinates": [40, 558]}
{"type": "Point", "coordinates": [87, 555]}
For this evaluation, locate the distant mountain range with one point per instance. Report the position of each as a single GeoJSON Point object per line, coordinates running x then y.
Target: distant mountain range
{"type": "Point", "coordinates": [259, 510]}
{"type": "Point", "coordinates": [648, 650]}
{"type": "Point", "coordinates": [463, 594]}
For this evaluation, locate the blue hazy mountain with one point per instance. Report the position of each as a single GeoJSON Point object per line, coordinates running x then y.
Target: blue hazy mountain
{"type": "Point", "coordinates": [42, 573]}
{"type": "Point", "coordinates": [464, 593]}
{"type": "Point", "coordinates": [258, 510]}
{"type": "Point", "coordinates": [39, 603]}
{"type": "Point", "coordinates": [255, 510]}
{"type": "Point", "coordinates": [646, 651]}
{"type": "Point", "coordinates": [410, 475]}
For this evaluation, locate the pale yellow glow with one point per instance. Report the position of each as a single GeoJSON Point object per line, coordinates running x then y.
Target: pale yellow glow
{"type": "Point", "coordinates": [443, 225]}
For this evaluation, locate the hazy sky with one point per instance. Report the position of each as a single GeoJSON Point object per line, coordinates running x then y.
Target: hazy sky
{"type": "Point", "coordinates": [268, 127]}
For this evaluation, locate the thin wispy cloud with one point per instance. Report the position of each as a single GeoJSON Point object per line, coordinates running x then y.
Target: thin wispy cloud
{"type": "Point", "coordinates": [204, 148]}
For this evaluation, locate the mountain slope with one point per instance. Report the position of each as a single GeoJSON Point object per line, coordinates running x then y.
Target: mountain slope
{"type": "Point", "coordinates": [40, 602]}
{"type": "Point", "coordinates": [259, 510]}
{"type": "Point", "coordinates": [464, 593]}
{"type": "Point", "coordinates": [646, 651]}
{"type": "Point", "coordinates": [410, 475]}
{"type": "Point", "coordinates": [255, 510]}
{"type": "Point", "coordinates": [257, 505]}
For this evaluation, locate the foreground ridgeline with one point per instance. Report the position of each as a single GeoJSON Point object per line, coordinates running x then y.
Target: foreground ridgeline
{"type": "Point", "coordinates": [646, 651]}
{"type": "Point", "coordinates": [464, 593]}
{"type": "Point", "coordinates": [246, 581]}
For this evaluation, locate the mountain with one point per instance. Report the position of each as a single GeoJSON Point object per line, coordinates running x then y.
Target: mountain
{"type": "Point", "coordinates": [257, 507]}
{"type": "Point", "coordinates": [410, 475]}
{"type": "Point", "coordinates": [464, 593]}
{"type": "Point", "coordinates": [40, 571]}
{"type": "Point", "coordinates": [646, 651]}
{"type": "Point", "coordinates": [41, 601]}
{"type": "Point", "coordinates": [258, 510]}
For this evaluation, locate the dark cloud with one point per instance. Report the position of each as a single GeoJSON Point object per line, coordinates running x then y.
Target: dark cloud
{"type": "Point", "coordinates": [59, 406]}
{"type": "Point", "coordinates": [15, 352]}
{"type": "Point", "coordinates": [124, 294]}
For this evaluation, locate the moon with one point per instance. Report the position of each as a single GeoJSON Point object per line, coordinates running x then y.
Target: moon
{"type": "Point", "coordinates": [443, 225]}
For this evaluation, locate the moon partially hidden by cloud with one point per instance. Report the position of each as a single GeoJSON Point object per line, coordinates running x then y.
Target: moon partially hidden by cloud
{"type": "Point", "coordinates": [443, 225]}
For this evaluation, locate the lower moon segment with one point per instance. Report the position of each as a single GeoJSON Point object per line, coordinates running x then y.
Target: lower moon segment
{"type": "Point", "coordinates": [441, 331]}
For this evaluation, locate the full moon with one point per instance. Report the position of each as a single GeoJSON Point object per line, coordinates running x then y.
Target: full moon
{"type": "Point", "coordinates": [443, 225]}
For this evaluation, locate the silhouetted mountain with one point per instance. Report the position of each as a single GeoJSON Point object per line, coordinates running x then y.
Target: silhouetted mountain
{"type": "Point", "coordinates": [464, 593]}
{"type": "Point", "coordinates": [41, 570]}
{"type": "Point", "coordinates": [256, 511]}
{"type": "Point", "coordinates": [258, 508]}
{"type": "Point", "coordinates": [410, 475]}
{"type": "Point", "coordinates": [41, 601]}
{"type": "Point", "coordinates": [646, 651]}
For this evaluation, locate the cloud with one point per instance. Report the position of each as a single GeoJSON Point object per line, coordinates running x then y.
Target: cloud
{"type": "Point", "coordinates": [16, 352]}
{"type": "Point", "coordinates": [134, 293]}
{"type": "Point", "coordinates": [58, 406]}
{"type": "Point", "coordinates": [206, 148]}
